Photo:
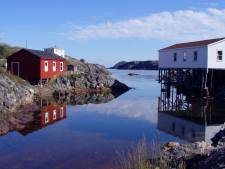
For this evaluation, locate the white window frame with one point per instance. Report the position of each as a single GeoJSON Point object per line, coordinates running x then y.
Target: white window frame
{"type": "Point", "coordinates": [46, 118]}
{"type": "Point", "coordinates": [61, 112]}
{"type": "Point", "coordinates": [46, 67]}
{"type": "Point", "coordinates": [219, 60]}
{"type": "Point", "coordinates": [54, 115]}
{"type": "Point", "coordinates": [54, 66]}
{"type": "Point", "coordinates": [61, 66]}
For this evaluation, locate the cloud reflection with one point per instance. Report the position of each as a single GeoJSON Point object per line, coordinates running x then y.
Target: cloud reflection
{"type": "Point", "coordinates": [142, 109]}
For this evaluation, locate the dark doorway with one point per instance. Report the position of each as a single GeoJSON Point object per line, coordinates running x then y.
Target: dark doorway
{"type": "Point", "coordinates": [15, 68]}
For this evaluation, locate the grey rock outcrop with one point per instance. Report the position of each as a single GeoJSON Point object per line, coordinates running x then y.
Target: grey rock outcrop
{"type": "Point", "coordinates": [93, 77]}
{"type": "Point", "coordinates": [198, 155]}
{"type": "Point", "coordinates": [13, 93]}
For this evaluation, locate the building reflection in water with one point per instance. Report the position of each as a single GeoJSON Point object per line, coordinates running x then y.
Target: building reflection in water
{"type": "Point", "coordinates": [25, 122]}
{"type": "Point", "coordinates": [49, 114]}
{"type": "Point", "coordinates": [190, 119]}
{"type": "Point", "coordinates": [48, 111]}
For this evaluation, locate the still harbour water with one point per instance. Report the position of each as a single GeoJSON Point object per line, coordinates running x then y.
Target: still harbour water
{"type": "Point", "coordinates": [89, 136]}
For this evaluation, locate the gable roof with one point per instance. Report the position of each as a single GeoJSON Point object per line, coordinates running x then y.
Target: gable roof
{"type": "Point", "coordinates": [193, 44]}
{"type": "Point", "coordinates": [43, 54]}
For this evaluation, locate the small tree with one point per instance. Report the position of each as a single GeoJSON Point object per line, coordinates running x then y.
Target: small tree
{"type": "Point", "coordinates": [82, 60]}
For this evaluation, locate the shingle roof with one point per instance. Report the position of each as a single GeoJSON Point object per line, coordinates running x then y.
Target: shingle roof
{"type": "Point", "coordinates": [43, 54]}
{"type": "Point", "coordinates": [193, 44]}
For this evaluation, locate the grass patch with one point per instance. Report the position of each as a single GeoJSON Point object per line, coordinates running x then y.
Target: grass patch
{"type": "Point", "coordinates": [76, 75]}
{"type": "Point", "coordinates": [12, 77]}
{"type": "Point", "coordinates": [143, 156]}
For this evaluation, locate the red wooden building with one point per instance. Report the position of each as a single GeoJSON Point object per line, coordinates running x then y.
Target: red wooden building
{"type": "Point", "coordinates": [36, 65]}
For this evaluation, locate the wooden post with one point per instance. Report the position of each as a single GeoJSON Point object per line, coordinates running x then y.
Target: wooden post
{"type": "Point", "coordinates": [159, 75]}
{"type": "Point", "coordinates": [212, 83]}
{"type": "Point", "coordinates": [41, 83]}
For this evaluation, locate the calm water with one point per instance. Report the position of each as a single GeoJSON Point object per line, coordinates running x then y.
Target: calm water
{"type": "Point", "coordinates": [88, 136]}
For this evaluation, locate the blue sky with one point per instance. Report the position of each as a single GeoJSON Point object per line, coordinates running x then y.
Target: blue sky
{"type": "Point", "coordinates": [108, 31]}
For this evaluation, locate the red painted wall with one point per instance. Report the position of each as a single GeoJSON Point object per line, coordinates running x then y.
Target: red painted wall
{"type": "Point", "coordinates": [29, 66]}
{"type": "Point", "coordinates": [32, 67]}
{"type": "Point", "coordinates": [50, 73]}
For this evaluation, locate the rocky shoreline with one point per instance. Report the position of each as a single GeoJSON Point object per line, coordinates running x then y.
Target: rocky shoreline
{"type": "Point", "coordinates": [197, 155]}
{"type": "Point", "coordinates": [15, 92]}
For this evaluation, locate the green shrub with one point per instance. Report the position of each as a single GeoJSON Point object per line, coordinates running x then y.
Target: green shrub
{"type": "Point", "coordinates": [75, 75]}
{"type": "Point", "coordinates": [82, 60]}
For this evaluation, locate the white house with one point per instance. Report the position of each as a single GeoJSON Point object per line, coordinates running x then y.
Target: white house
{"type": "Point", "coordinates": [55, 50]}
{"type": "Point", "coordinates": [205, 54]}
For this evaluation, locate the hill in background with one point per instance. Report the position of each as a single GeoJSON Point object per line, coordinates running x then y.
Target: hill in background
{"type": "Point", "coordinates": [5, 51]}
{"type": "Point", "coordinates": [137, 65]}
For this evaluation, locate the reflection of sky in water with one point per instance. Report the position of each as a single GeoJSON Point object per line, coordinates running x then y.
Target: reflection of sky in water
{"type": "Point", "coordinates": [91, 134]}
{"type": "Point", "coordinates": [132, 116]}
{"type": "Point", "coordinates": [139, 109]}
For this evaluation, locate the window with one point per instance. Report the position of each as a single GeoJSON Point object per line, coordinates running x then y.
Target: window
{"type": "Point", "coordinates": [175, 57]}
{"type": "Point", "coordinates": [195, 55]}
{"type": "Point", "coordinates": [54, 114]}
{"type": "Point", "coordinates": [61, 66]}
{"type": "Point", "coordinates": [46, 118]}
{"type": "Point", "coordinates": [185, 57]}
{"type": "Point", "coordinates": [220, 55]}
{"type": "Point", "coordinates": [46, 66]}
{"type": "Point", "coordinates": [53, 66]}
{"type": "Point", "coordinates": [61, 112]}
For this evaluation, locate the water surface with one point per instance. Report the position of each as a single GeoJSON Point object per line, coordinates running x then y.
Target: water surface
{"type": "Point", "coordinates": [88, 136]}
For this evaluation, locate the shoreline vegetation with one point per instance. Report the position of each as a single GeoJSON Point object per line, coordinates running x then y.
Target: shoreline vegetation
{"type": "Point", "coordinates": [144, 156]}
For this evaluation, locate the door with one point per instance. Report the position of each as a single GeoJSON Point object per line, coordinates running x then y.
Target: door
{"type": "Point", "coordinates": [15, 68]}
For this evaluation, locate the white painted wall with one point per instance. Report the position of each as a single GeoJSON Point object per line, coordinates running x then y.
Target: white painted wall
{"type": "Point", "coordinates": [166, 58]}
{"type": "Point", "coordinates": [213, 63]}
{"type": "Point", "coordinates": [57, 51]}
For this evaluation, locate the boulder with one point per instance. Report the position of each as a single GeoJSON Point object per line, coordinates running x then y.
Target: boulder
{"type": "Point", "coordinates": [219, 139]}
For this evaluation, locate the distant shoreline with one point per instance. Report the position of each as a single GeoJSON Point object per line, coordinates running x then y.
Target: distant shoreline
{"type": "Point", "coordinates": [133, 69]}
{"type": "Point", "coordinates": [136, 65]}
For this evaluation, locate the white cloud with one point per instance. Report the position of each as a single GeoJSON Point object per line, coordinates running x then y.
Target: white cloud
{"type": "Point", "coordinates": [173, 26]}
